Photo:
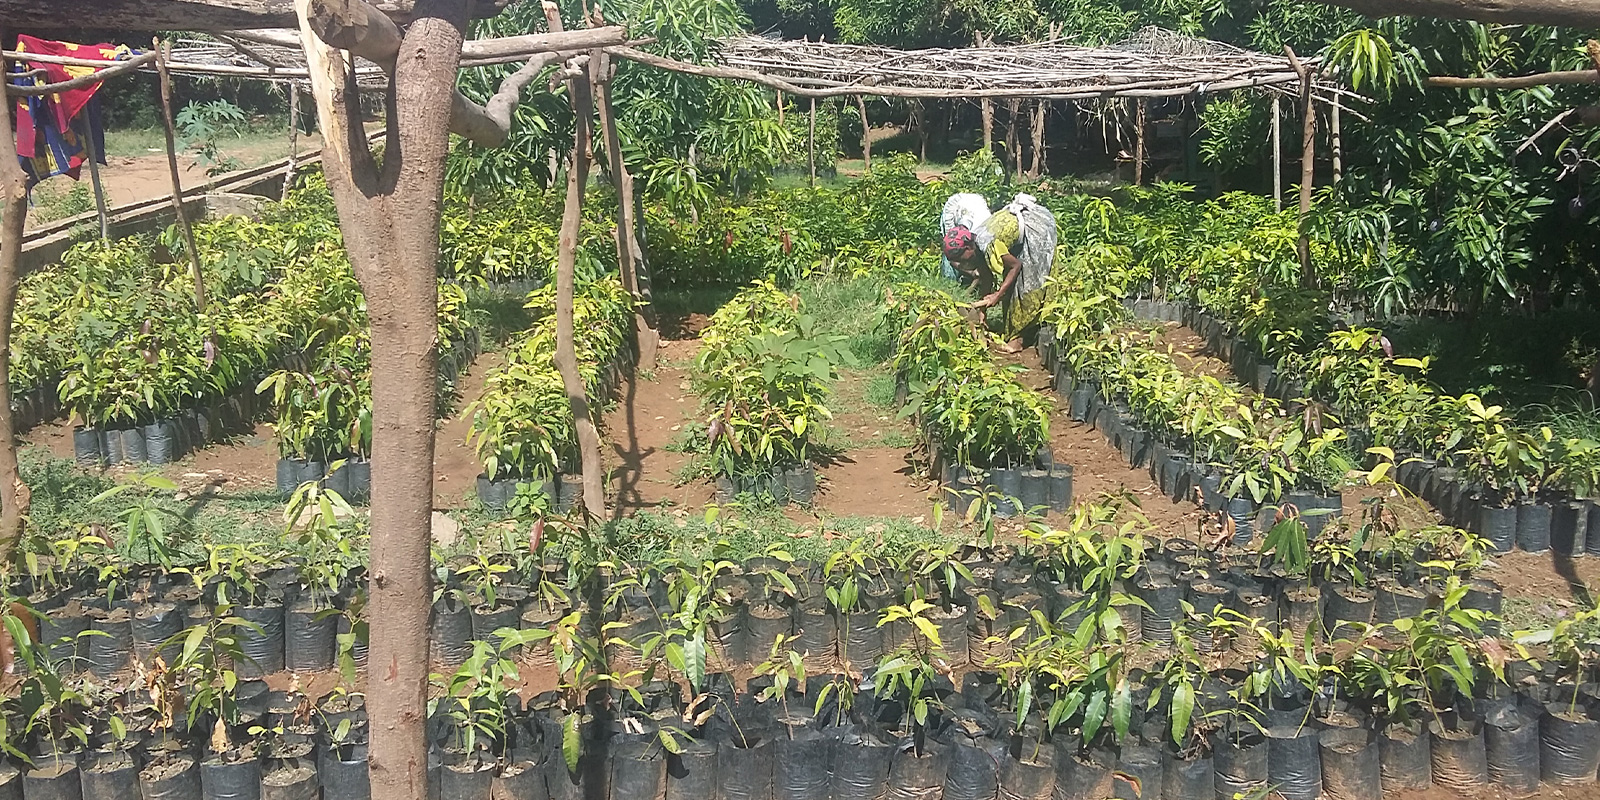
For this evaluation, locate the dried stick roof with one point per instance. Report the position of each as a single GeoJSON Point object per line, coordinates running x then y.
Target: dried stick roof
{"type": "Point", "coordinates": [1152, 63]}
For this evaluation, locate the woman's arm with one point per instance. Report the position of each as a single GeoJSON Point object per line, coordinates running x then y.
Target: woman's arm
{"type": "Point", "coordinates": [1013, 269]}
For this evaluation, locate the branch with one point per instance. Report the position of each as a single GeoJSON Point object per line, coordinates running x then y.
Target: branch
{"type": "Point", "coordinates": [1563, 13]}
{"type": "Point", "coordinates": [489, 125]}
{"type": "Point", "coordinates": [480, 52]}
{"type": "Point", "coordinates": [82, 80]}
{"type": "Point", "coordinates": [1568, 77]}
{"type": "Point", "coordinates": [187, 15]}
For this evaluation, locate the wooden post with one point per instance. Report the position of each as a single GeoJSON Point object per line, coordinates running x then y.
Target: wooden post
{"type": "Point", "coordinates": [1308, 162]}
{"type": "Point", "coordinates": [1138, 143]}
{"type": "Point", "coordinates": [13, 220]}
{"type": "Point", "coordinates": [1039, 109]}
{"type": "Point", "coordinates": [163, 52]}
{"type": "Point", "coordinates": [294, 139]}
{"type": "Point", "coordinates": [93, 156]}
{"type": "Point", "coordinates": [566, 358]}
{"type": "Point", "coordinates": [811, 143]}
{"type": "Point", "coordinates": [1338, 142]}
{"type": "Point", "coordinates": [988, 125]}
{"type": "Point", "coordinates": [1012, 139]}
{"type": "Point", "coordinates": [630, 256]}
{"type": "Point", "coordinates": [1277, 152]}
{"type": "Point", "coordinates": [866, 133]}
{"type": "Point", "coordinates": [780, 108]}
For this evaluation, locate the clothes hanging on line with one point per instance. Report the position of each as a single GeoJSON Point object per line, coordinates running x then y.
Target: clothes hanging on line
{"type": "Point", "coordinates": [52, 130]}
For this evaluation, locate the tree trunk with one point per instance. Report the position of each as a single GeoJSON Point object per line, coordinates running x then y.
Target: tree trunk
{"type": "Point", "coordinates": [163, 51]}
{"type": "Point", "coordinates": [866, 133]}
{"type": "Point", "coordinates": [13, 492]}
{"type": "Point", "coordinates": [1337, 141]}
{"type": "Point", "coordinates": [811, 143]}
{"type": "Point", "coordinates": [1277, 153]}
{"type": "Point", "coordinates": [389, 215]}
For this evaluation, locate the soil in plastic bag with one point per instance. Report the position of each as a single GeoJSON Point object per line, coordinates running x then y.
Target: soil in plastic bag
{"type": "Point", "coordinates": [1182, 779]}
{"type": "Point", "coordinates": [57, 781]}
{"type": "Point", "coordinates": [1083, 776]}
{"type": "Point", "coordinates": [1030, 774]}
{"type": "Point", "coordinates": [971, 774]}
{"type": "Point", "coordinates": [1294, 764]}
{"type": "Point", "coordinates": [61, 630]}
{"type": "Point", "coordinates": [174, 776]}
{"type": "Point", "coordinates": [1569, 744]}
{"type": "Point", "coordinates": [522, 780]}
{"type": "Point", "coordinates": [344, 775]}
{"type": "Point", "coordinates": [1350, 765]}
{"type": "Point", "coordinates": [1511, 748]}
{"type": "Point", "coordinates": [1459, 759]}
{"type": "Point", "coordinates": [1406, 757]}
{"type": "Point", "coordinates": [799, 763]}
{"type": "Point", "coordinates": [263, 649]}
{"type": "Point", "coordinates": [111, 776]}
{"type": "Point", "coordinates": [1241, 761]}
{"type": "Point", "coordinates": [1139, 774]}
{"type": "Point", "coordinates": [221, 779]}
{"type": "Point", "coordinates": [152, 626]}
{"type": "Point", "coordinates": [638, 769]}
{"type": "Point", "coordinates": [744, 773]}
{"type": "Point", "coordinates": [110, 653]}
{"type": "Point", "coordinates": [692, 774]}
{"type": "Point", "coordinates": [860, 766]}
{"type": "Point", "coordinates": [309, 639]}
{"type": "Point", "coordinates": [449, 630]}
{"type": "Point", "coordinates": [470, 780]}
{"type": "Point", "coordinates": [10, 783]}
{"type": "Point", "coordinates": [917, 773]}
{"type": "Point", "coordinates": [289, 783]}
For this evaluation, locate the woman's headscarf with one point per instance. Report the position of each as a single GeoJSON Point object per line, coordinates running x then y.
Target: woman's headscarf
{"type": "Point", "coordinates": [957, 239]}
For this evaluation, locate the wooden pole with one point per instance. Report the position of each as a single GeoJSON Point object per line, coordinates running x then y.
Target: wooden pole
{"type": "Point", "coordinates": [866, 133]}
{"type": "Point", "coordinates": [93, 156]}
{"type": "Point", "coordinates": [13, 220]}
{"type": "Point", "coordinates": [163, 51]}
{"type": "Point", "coordinates": [780, 108]}
{"type": "Point", "coordinates": [1308, 162]}
{"type": "Point", "coordinates": [1039, 109]}
{"type": "Point", "coordinates": [294, 140]}
{"type": "Point", "coordinates": [1138, 144]}
{"type": "Point", "coordinates": [1277, 152]}
{"type": "Point", "coordinates": [1012, 139]}
{"type": "Point", "coordinates": [988, 125]}
{"type": "Point", "coordinates": [630, 257]}
{"type": "Point", "coordinates": [811, 143]}
{"type": "Point", "coordinates": [566, 358]}
{"type": "Point", "coordinates": [1337, 141]}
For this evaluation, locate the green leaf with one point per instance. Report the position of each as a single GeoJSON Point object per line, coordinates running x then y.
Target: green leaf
{"type": "Point", "coordinates": [1182, 710]}
{"type": "Point", "coordinates": [571, 742]}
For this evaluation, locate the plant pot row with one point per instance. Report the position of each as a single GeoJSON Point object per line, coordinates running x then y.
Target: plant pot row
{"type": "Point", "coordinates": [1042, 485]}
{"type": "Point", "coordinates": [34, 406]}
{"type": "Point", "coordinates": [352, 480]}
{"type": "Point", "coordinates": [560, 495]}
{"type": "Point", "coordinates": [782, 486]}
{"type": "Point", "coordinates": [165, 440]}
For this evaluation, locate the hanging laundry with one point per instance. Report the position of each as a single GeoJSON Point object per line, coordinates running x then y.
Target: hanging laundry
{"type": "Point", "coordinates": [51, 130]}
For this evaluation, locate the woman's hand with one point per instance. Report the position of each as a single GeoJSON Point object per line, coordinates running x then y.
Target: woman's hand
{"type": "Point", "coordinates": [988, 301]}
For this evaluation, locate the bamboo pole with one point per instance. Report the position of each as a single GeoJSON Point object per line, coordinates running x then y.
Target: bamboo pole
{"type": "Point", "coordinates": [163, 49]}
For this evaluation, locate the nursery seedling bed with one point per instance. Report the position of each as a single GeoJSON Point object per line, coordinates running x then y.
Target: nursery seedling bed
{"type": "Point", "coordinates": [1190, 351]}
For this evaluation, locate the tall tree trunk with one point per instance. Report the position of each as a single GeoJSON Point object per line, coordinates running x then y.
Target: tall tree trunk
{"type": "Point", "coordinates": [13, 492]}
{"type": "Point", "coordinates": [389, 215]}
